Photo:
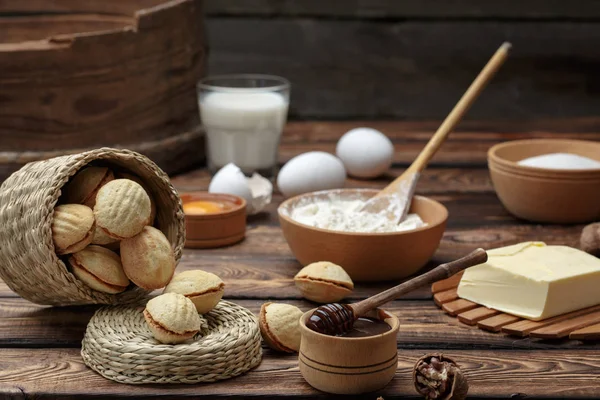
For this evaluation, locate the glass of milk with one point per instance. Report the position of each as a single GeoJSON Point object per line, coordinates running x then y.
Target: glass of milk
{"type": "Point", "coordinates": [243, 117]}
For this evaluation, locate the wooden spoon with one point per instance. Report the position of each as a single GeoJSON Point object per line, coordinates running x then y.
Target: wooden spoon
{"type": "Point", "coordinates": [336, 318]}
{"type": "Point", "coordinates": [396, 197]}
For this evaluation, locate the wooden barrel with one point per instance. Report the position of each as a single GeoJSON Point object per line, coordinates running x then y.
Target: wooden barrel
{"type": "Point", "coordinates": [76, 75]}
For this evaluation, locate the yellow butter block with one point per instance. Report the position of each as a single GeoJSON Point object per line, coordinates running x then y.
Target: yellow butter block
{"type": "Point", "coordinates": [534, 281]}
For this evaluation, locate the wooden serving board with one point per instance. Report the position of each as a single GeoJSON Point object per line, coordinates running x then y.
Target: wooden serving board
{"type": "Point", "coordinates": [581, 324]}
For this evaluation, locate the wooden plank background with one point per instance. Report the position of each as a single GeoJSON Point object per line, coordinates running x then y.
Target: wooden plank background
{"type": "Point", "coordinates": [413, 59]}
{"type": "Point", "coordinates": [60, 374]}
{"type": "Point", "coordinates": [425, 9]}
{"type": "Point", "coordinates": [398, 59]}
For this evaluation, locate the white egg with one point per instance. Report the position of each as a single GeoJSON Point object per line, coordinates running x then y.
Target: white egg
{"type": "Point", "coordinates": [309, 172]}
{"type": "Point", "coordinates": [255, 190]}
{"type": "Point", "coordinates": [365, 152]}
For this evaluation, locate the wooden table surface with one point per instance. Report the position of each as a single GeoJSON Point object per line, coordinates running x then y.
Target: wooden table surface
{"type": "Point", "coordinates": [39, 346]}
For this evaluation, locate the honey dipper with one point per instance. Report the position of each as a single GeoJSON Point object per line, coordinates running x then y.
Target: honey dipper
{"type": "Point", "coordinates": [336, 319]}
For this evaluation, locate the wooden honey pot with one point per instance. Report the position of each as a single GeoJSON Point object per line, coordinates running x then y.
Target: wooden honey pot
{"type": "Point", "coordinates": [349, 365]}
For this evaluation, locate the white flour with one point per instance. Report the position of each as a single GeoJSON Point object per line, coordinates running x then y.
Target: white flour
{"type": "Point", "coordinates": [561, 161]}
{"type": "Point", "coordinates": [344, 215]}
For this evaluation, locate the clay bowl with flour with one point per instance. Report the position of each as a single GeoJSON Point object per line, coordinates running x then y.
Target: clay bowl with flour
{"type": "Point", "coordinates": [367, 257]}
{"type": "Point", "coordinates": [544, 194]}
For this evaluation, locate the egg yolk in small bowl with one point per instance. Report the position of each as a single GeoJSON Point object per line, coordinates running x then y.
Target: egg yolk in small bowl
{"type": "Point", "coordinates": [200, 207]}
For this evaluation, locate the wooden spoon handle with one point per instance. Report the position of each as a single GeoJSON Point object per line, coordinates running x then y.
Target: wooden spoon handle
{"type": "Point", "coordinates": [442, 271]}
{"type": "Point", "coordinates": [459, 110]}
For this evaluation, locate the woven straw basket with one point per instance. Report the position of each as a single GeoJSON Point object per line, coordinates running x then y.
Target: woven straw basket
{"type": "Point", "coordinates": [28, 262]}
{"type": "Point", "coordinates": [119, 346]}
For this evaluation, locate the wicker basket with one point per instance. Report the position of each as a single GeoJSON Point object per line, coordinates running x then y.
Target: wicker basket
{"type": "Point", "coordinates": [28, 262]}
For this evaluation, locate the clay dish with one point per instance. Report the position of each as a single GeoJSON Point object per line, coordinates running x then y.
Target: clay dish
{"type": "Point", "coordinates": [542, 173]}
{"type": "Point", "coordinates": [505, 156]}
{"type": "Point", "coordinates": [349, 365]}
{"type": "Point", "coordinates": [547, 200]}
{"type": "Point", "coordinates": [218, 229]}
{"type": "Point", "coordinates": [365, 256]}
{"type": "Point", "coordinates": [546, 195]}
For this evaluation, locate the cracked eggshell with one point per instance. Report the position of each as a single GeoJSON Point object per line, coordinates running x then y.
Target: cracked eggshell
{"type": "Point", "coordinates": [262, 190]}
{"type": "Point", "coordinates": [310, 172]}
{"type": "Point", "coordinates": [256, 190]}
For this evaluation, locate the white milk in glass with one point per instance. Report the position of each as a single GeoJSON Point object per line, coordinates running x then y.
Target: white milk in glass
{"type": "Point", "coordinates": [243, 128]}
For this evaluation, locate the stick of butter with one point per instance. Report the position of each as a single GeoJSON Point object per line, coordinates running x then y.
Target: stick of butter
{"type": "Point", "coordinates": [534, 281]}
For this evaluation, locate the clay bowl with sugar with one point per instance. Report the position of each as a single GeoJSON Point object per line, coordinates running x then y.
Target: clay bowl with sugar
{"type": "Point", "coordinates": [506, 156]}
{"type": "Point", "coordinates": [366, 257]}
{"type": "Point", "coordinates": [543, 194]}
{"type": "Point", "coordinates": [349, 365]}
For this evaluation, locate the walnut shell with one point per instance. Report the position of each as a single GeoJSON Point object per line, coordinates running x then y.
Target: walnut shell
{"type": "Point", "coordinates": [437, 376]}
{"type": "Point", "coordinates": [590, 239]}
{"type": "Point", "coordinates": [324, 282]}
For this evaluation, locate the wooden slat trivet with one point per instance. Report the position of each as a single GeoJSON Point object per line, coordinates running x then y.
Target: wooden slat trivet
{"type": "Point", "coordinates": [458, 306]}
{"type": "Point", "coordinates": [525, 326]}
{"type": "Point", "coordinates": [591, 332]}
{"type": "Point", "coordinates": [564, 328]}
{"type": "Point", "coordinates": [495, 323]}
{"type": "Point", "coordinates": [445, 297]}
{"type": "Point", "coordinates": [581, 324]}
{"type": "Point", "coordinates": [472, 317]}
{"type": "Point", "coordinates": [450, 283]}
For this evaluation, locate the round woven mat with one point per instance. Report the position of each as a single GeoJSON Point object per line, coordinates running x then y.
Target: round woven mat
{"type": "Point", "coordinates": [119, 346]}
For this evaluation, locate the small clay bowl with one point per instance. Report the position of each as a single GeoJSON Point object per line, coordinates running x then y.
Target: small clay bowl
{"type": "Point", "coordinates": [542, 194]}
{"type": "Point", "coordinates": [366, 257]}
{"type": "Point", "coordinates": [506, 156]}
{"type": "Point", "coordinates": [218, 229]}
{"type": "Point", "coordinates": [547, 200]}
{"type": "Point", "coordinates": [343, 365]}
{"type": "Point", "coordinates": [543, 173]}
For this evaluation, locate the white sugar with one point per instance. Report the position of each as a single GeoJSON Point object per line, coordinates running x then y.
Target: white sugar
{"type": "Point", "coordinates": [561, 161]}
